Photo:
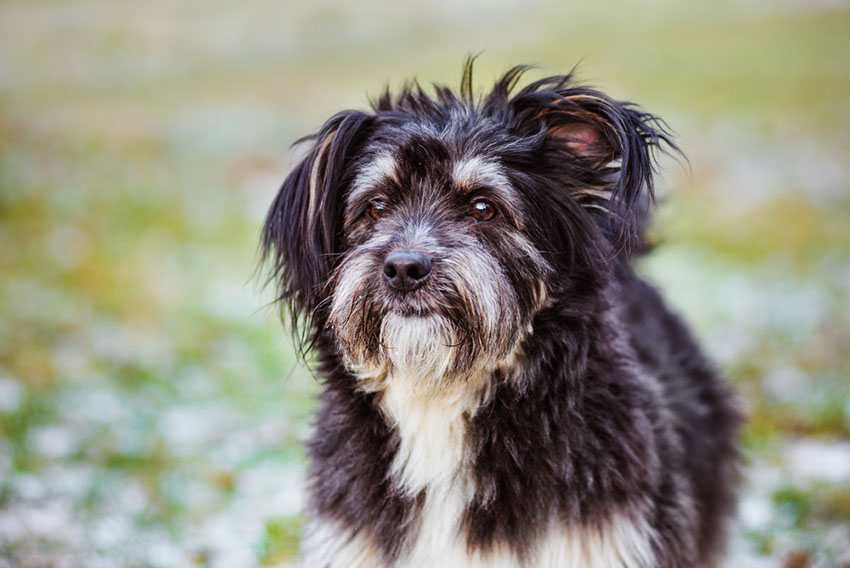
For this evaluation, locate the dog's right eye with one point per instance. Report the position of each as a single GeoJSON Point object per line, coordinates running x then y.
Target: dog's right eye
{"type": "Point", "coordinates": [483, 210]}
{"type": "Point", "coordinates": [375, 210]}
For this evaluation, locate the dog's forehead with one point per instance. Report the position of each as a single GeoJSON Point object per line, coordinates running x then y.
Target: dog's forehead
{"type": "Point", "coordinates": [437, 158]}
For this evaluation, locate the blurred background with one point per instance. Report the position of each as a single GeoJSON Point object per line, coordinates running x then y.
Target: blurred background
{"type": "Point", "coordinates": [151, 407]}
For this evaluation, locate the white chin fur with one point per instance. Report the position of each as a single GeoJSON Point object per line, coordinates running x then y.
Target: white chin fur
{"type": "Point", "coordinates": [418, 347]}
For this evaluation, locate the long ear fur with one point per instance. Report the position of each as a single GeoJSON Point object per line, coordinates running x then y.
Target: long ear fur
{"type": "Point", "coordinates": [301, 236]}
{"type": "Point", "coordinates": [609, 145]}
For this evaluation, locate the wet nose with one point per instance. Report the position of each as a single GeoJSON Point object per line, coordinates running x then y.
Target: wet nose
{"type": "Point", "coordinates": [406, 270]}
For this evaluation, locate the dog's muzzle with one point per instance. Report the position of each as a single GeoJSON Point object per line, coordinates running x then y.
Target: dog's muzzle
{"type": "Point", "coordinates": [406, 270]}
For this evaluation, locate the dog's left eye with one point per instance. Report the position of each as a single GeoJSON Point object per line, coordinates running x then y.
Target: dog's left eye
{"type": "Point", "coordinates": [375, 210]}
{"type": "Point", "coordinates": [483, 210]}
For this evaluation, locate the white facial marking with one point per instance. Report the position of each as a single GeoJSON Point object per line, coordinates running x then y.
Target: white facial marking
{"type": "Point", "coordinates": [383, 167]}
{"type": "Point", "coordinates": [470, 172]}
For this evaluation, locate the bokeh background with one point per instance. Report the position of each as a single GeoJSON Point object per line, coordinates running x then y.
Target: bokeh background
{"type": "Point", "coordinates": [151, 407]}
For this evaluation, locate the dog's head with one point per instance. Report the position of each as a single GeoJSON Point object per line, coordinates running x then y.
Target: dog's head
{"type": "Point", "coordinates": [424, 236]}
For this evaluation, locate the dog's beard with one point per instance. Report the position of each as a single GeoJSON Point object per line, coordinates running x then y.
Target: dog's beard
{"type": "Point", "coordinates": [462, 322]}
{"type": "Point", "coordinates": [419, 347]}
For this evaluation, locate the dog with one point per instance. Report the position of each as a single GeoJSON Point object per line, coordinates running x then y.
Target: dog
{"type": "Point", "coordinates": [500, 388]}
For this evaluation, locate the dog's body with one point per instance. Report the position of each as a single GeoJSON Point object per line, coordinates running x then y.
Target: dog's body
{"type": "Point", "coordinates": [500, 388]}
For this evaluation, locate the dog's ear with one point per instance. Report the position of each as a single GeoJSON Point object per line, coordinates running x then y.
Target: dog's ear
{"type": "Point", "coordinates": [582, 140]}
{"type": "Point", "coordinates": [610, 148]}
{"type": "Point", "coordinates": [301, 236]}
{"type": "Point", "coordinates": [616, 142]}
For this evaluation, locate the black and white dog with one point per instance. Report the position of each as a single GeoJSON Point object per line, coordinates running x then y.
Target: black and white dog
{"type": "Point", "coordinates": [500, 388]}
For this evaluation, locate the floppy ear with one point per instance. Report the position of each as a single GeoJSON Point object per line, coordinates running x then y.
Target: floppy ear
{"type": "Point", "coordinates": [617, 141]}
{"type": "Point", "coordinates": [609, 148]}
{"type": "Point", "coordinates": [301, 236]}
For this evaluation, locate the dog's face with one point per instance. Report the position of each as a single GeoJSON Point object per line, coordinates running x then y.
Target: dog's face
{"type": "Point", "coordinates": [424, 237]}
{"type": "Point", "coordinates": [438, 274]}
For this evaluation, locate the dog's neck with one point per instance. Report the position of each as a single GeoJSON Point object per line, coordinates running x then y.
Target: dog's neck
{"type": "Point", "coordinates": [433, 458]}
{"type": "Point", "coordinates": [430, 425]}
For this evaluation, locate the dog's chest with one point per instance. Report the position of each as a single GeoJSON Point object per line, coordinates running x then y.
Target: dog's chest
{"type": "Point", "coordinates": [434, 466]}
{"type": "Point", "coordinates": [433, 458]}
{"type": "Point", "coordinates": [431, 432]}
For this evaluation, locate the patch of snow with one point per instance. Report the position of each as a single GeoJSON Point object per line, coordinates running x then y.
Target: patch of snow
{"type": "Point", "coordinates": [272, 491]}
{"type": "Point", "coordinates": [787, 383]}
{"type": "Point", "coordinates": [69, 482]}
{"type": "Point", "coordinates": [11, 394]}
{"type": "Point", "coordinates": [98, 406]}
{"type": "Point", "coordinates": [812, 460]}
{"type": "Point", "coordinates": [837, 539]}
{"type": "Point", "coordinates": [6, 460]}
{"type": "Point", "coordinates": [229, 538]}
{"type": "Point", "coordinates": [755, 512]}
{"type": "Point", "coordinates": [190, 428]}
{"type": "Point", "coordinates": [742, 554]}
{"type": "Point", "coordinates": [28, 487]}
{"type": "Point", "coordinates": [53, 441]}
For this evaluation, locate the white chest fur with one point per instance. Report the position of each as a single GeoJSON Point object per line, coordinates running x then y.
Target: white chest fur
{"type": "Point", "coordinates": [432, 457]}
{"type": "Point", "coordinates": [618, 543]}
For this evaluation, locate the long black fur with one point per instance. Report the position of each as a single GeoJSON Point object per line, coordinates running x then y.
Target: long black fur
{"type": "Point", "coordinates": [583, 435]}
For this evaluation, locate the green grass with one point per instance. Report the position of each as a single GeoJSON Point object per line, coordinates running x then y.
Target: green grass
{"type": "Point", "coordinates": [280, 542]}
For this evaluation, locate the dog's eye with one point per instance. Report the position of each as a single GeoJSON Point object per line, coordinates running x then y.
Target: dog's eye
{"type": "Point", "coordinates": [483, 210]}
{"type": "Point", "coordinates": [375, 210]}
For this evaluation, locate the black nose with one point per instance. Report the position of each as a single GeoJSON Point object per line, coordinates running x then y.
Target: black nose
{"type": "Point", "coordinates": [406, 270]}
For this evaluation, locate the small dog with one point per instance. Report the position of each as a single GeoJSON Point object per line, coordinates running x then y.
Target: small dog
{"type": "Point", "coordinates": [500, 388]}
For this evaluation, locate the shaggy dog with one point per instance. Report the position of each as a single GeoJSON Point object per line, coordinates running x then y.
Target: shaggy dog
{"type": "Point", "coordinates": [500, 388]}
